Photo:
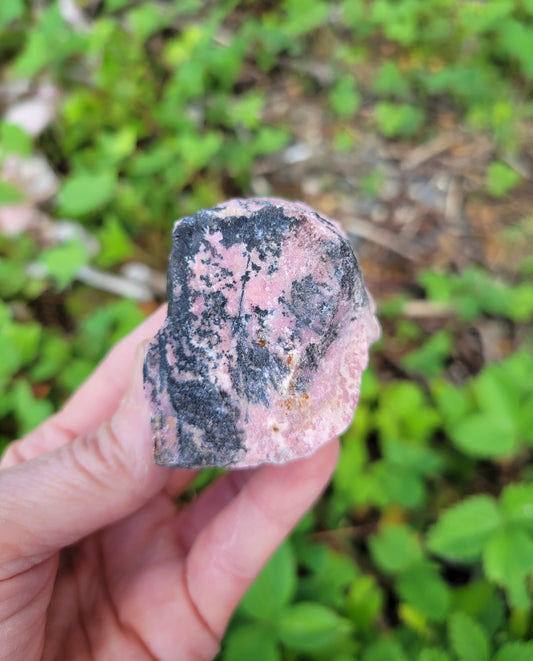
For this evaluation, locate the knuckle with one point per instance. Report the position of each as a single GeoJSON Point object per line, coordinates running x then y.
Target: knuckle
{"type": "Point", "coordinates": [51, 434]}
{"type": "Point", "coordinates": [12, 455]}
{"type": "Point", "coordinates": [99, 457]}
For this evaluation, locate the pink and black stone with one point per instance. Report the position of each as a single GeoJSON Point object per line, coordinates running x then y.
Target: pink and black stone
{"type": "Point", "coordinates": [268, 329]}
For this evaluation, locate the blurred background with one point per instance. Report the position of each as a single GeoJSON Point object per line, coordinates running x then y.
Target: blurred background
{"type": "Point", "coordinates": [410, 121]}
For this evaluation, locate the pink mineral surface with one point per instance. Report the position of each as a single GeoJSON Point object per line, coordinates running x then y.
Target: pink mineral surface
{"type": "Point", "coordinates": [268, 330]}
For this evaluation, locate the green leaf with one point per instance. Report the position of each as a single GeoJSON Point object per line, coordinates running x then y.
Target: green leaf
{"type": "Point", "coordinates": [29, 411]}
{"type": "Point", "coordinates": [13, 140]}
{"type": "Point", "coordinates": [422, 587]}
{"type": "Point", "coordinates": [404, 412]}
{"type": "Point", "coordinates": [385, 650]}
{"type": "Point", "coordinates": [418, 459]}
{"type": "Point", "coordinates": [343, 139]}
{"type": "Point", "coordinates": [501, 179]}
{"type": "Point", "coordinates": [453, 402]}
{"type": "Point", "coordinates": [344, 97]}
{"type": "Point", "coordinates": [50, 41]}
{"type": "Point", "coordinates": [463, 530]}
{"type": "Point", "coordinates": [364, 601]}
{"type": "Point", "coordinates": [515, 652]}
{"type": "Point", "coordinates": [10, 10]}
{"type": "Point", "coordinates": [274, 587]}
{"type": "Point", "coordinates": [250, 641]}
{"type": "Point", "coordinates": [395, 549]}
{"type": "Point", "coordinates": [483, 601]}
{"type": "Point", "coordinates": [516, 503]}
{"type": "Point", "coordinates": [64, 261]}
{"type": "Point", "coordinates": [75, 372]}
{"type": "Point", "coordinates": [302, 16]}
{"type": "Point", "coordinates": [307, 626]}
{"type": "Point", "coordinates": [126, 315]}
{"type": "Point", "coordinates": [34, 56]}
{"type": "Point", "coordinates": [398, 120]}
{"type": "Point", "coordinates": [10, 194]}
{"type": "Point", "coordinates": [508, 561]}
{"type": "Point", "coordinates": [429, 359]}
{"type": "Point", "coordinates": [114, 5]}
{"type": "Point", "coordinates": [390, 81]}
{"type": "Point", "coordinates": [85, 192]}
{"type": "Point", "coordinates": [247, 110]}
{"type": "Point", "coordinates": [433, 655]}
{"type": "Point", "coordinates": [53, 354]}
{"type": "Point", "coordinates": [467, 638]}
{"type": "Point", "coordinates": [117, 145]}
{"type": "Point", "coordinates": [145, 20]}
{"type": "Point", "coordinates": [484, 435]}
{"type": "Point", "coordinates": [116, 245]}
{"type": "Point", "coordinates": [20, 345]}
{"type": "Point", "coordinates": [402, 485]}
{"type": "Point", "coordinates": [516, 38]}
{"type": "Point", "coordinates": [269, 139]}
{"type": "Point", "coordinates": [12, 278]}
{"type": "Point", "coordinates": [495, 396]}
{"type": "Point", "coordinates": [330, 574]}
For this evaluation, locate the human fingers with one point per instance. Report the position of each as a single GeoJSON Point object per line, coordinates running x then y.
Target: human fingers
{"type": "Point", "coordinates": [197, 514]}
{"type": "Point", "coordinates": [228, 554]}
{"type": "Point", "coordinates": [61, 496]}
{"type": "Point", "coordinates": [95, 401]}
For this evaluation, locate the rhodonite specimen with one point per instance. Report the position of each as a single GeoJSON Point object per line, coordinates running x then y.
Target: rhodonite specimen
{"type": "Point", "coordinates": [267, 334]}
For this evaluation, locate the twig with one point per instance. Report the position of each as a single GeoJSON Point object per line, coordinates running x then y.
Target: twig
{"type": "Point", "coordinates": [428, 150]}
{"type": "Point", "coordinates": [382, 237]}
{"type": "Point", "coordinates": [427, 309]}
{"type": "Point", "coordinates": [114, 283]}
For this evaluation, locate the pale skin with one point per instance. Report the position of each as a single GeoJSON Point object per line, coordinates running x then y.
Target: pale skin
{"type": "Point", "coordinates": [97, 559]}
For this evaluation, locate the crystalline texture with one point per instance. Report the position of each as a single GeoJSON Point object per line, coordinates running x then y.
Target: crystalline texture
{"type": "Point", "coordinates": [268, 329]}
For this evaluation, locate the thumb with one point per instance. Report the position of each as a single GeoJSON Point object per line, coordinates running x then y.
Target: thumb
{"type": "Point", "coordinates": [57, 498]}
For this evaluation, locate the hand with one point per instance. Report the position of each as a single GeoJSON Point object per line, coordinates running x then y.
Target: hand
{"type": "Point", "coordinates": [96, 559]}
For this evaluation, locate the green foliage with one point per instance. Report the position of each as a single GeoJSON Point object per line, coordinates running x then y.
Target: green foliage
{"type": "Point", "coordinates": [475, 291]}
{"type": "Point", "coordinates": [10, 10]}
{"type": "Point", "coordinates": [13, 140]}
{"type": "Point", "coordinates": [467, 639]}
{"type": "Point", "coordinates": [344, 97]}
{"type": "Point", "coordinates": [515, 652]}
{"type": "Point", "coordinates": [251, 641]}
{"type": "Point", "coordinates": [274, 588]}
{"type": "Point", "coordinates": [501, 179]}
{"type": "Point", "coordinates": [385, 650]}
{"type": "Point", "coordinates": [27, 409]}
{"type": "Point", "coordinates": [63, 262]}
{"type": "Point", "coordinates": [421, 548]}
{"type": "Point", "coordinates": [83, 193]}
{"type": "Point", "coordinates": [499, 532]}
{"type": "Point", "coordinates": [10, 194]}
{"type": "Point", "coordinates": [307, 626]}
{"type": "Point", "coordinates": [493, 417]}
{"type": "Point", "coordinates": [396, 549]}
{"type": "Point", "coordinates": [268, 610]}
{"type": "Point", "coordinates": [430, 358]}
{"type": "Point", "coordinates": [463, 531]}
{"type": "Point", "coordinates": [115, 243]}
{"type": "Point", "coordinates": [398, 120]}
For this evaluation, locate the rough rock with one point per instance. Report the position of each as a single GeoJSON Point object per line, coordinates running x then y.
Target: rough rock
{"type": "Point", "coordinates": [268, 329]}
